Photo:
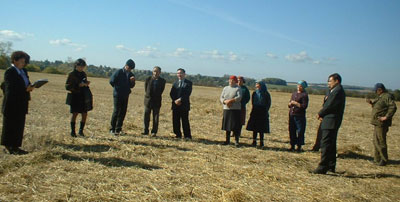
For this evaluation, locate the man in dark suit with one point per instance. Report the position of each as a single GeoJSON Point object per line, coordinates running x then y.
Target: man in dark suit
{"type": "Point", "coordinates": [16, 88]}
{"type": "Point", "coordinates": [331, 115]}
{"type": "Point", "coordinates": [122, 80]}
{"type": "Point", "coordinates": [180, 93]}
{"type": "Point", "coordinates": [153, 87]}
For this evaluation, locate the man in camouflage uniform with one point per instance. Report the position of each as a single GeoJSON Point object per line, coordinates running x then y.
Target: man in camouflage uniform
{"type": "Point", "coordinates": [383, 109]}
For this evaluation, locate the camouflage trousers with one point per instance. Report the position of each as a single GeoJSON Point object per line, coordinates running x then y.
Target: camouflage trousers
{"type": "Point", "coordinates": [380, 145]}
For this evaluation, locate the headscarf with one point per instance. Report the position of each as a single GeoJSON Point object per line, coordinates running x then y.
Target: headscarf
{"type": "Point", "coordinates": [260, 92]}
{"type": "Point", "coordinates": [303, 83]}
{"type": "Point", "coordinates": [233, 78]}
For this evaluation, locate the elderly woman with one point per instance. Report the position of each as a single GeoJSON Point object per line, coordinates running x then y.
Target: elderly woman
{"type": "Point", "coordinates": [16, 88]}
{"type": "Point", "coordinates": [259, 115]}
{"type": "Point", "coordinates": [230, 98]}
{"type": "Point", "coordinates": [79, 96]}
{"type": "Point", "coordinates": [297, 116]}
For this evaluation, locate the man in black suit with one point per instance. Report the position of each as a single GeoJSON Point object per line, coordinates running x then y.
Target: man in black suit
{"type": "Point", "coordinates": [153, 87]}
{"type": "Point", "coordinates": [331, 115]}
{"type": "Point", "coordinates": [16, 88]}
{"type": "Point", "coordinates": [180, 93]}
{"type": "Point", "coordinates": [122, 80]}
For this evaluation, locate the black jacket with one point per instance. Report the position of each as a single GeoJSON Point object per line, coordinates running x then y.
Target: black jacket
{"type": "Point", "coordinates": [183, 93]}
{"type": "Point", "coordinates": [153, 96]}
{"type": "Point", "coordinates": [333, 109]}
{"type": "Point", "coordinates": [121, 83]}
{"type": "Point", "coordinates": [16, 98]}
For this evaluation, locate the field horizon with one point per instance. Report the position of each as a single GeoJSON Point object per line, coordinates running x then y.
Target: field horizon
{"type": "Point", "coordinates": [133, 167]}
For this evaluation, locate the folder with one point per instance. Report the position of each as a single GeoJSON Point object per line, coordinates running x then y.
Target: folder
{"type": "Point", "coordinates": [39, 83]}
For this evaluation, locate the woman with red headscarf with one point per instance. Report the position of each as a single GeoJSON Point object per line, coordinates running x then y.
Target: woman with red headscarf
{"type": "Point", "coordinates": [230, 98]}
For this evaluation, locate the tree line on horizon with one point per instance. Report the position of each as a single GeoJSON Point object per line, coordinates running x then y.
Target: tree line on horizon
{"type": "Point", "coordinates": [276, 84]}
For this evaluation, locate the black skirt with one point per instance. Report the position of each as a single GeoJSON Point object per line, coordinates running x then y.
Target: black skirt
{"type": "Point", "coordinates": [76, 102]}
{"type": "Point", "coordinates": [231, 120]}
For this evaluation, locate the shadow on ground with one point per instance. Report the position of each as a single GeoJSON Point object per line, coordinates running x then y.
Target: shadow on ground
{"type": "Point", "coordinates": [86, 148]}
{"type": "Point", "coordinates": [110, 162]}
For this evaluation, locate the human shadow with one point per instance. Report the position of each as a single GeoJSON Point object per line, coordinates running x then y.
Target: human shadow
{"type": "Point", "coordinates": [370, 176]}
{"type": "Point", "coordinates": [160, 146]}
{"type": "Point", "coordinates": [110, 162]}
{"type": "Point", "coordinates": [354, 155]}
{"type": "Point", "coordinates": [86, 148]}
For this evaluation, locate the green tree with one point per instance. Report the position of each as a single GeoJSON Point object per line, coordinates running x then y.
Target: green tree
{"type": "Point", "coordinates": [5, 51]}
{"type": "Point", "coordinates": [32, 68]}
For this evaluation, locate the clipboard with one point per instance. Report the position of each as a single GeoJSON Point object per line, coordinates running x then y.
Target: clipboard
{"type": "Point", "coordinates": [39, 83]}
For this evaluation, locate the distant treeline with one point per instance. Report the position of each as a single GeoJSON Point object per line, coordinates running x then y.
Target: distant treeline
{"type": "Point", "coordinates": [276, 84]}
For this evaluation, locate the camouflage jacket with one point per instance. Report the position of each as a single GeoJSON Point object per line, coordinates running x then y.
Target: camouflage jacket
{"type": "Point", "coordinates": [384, 105]}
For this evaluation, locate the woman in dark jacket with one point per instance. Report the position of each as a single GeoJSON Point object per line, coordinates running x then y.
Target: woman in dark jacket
{"type": "Point", "coordinates": [16, 88]}
{"type": "Point", "coordinates": [297, 116]}
{"type": "Point", "coordinates": [79, 96]}
{"type": "Point", "coordinates": [259, 115]}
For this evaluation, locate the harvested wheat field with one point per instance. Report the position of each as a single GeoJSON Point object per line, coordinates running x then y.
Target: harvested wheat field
{"type": "Point", "coordinates": [101, 167]}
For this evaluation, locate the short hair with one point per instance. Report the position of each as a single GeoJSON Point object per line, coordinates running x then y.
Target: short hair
{"type": "Point", "coordinates": [158, 68]}
{"type": "Point", "coordinates": [17, 55]}
{"type": "Point", "coordinates": [336, 77]}
{"type": "Point", "coordinates": [181, 70]}
{"type": "Point", "coordinates": [79, 62]}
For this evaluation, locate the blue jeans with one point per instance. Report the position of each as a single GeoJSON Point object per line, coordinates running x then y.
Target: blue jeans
{"type": "Point", "coordinates": [297, 128]}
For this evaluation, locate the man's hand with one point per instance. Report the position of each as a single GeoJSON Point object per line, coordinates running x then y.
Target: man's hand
{"type": "Point", "coordinates": [178, 102]}
{"type": "Point", "coordinates": [368, 101]}
{"type": "Point", "coordinates": [132, 79]}
{"type": "Point", "coordinates": [382, 119]}
{"type": "Point", "coordinates": [319, 118]}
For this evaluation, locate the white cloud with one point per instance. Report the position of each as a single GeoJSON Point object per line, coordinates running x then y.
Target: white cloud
{"type": "Point", "coordinates": [13, 36]}
{"type": "Point", "coordinates": [181, 52]}
{"type": "Point", "coordinates": [300, 57]}
{"type": "Point", "coordinates": [67, 42]}
{"type": "Point", "coordinates": [148, 51]}
{"type": "Point", "coordinates": [217, 55]}
{"type": "Point", "coordinates": [123, 48]}
{"type": "Point", "coordinates": [270, 55]}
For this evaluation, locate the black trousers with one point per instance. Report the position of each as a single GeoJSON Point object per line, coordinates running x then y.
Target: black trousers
{"type": "Point", "coordinates": [177, 116]}
{"type": "Point", "coordinates": [118, 116]}
{"type": "Point", "coordinates": [328, 149]}
{"type": "Point", "coordinates": [156, 115]}
{"type": "Point", "coordinates": [13, 130]}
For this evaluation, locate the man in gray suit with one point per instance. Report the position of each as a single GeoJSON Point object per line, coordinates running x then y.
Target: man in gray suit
{"type": "Point", "coordinates": [331, 115]}
{"type": "Point", "coordinates": [153, 87]}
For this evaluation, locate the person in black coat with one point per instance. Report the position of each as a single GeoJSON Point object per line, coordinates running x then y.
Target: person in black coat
{"type": "Point", "coordinates": [16, 88]}
{"type": "Point", "coordinates": [259, 115]}
{"type": "Point", "coordinates": [153, 87]}
{"type": "Point", "coordinates": [122, 80]}
{"type": "Point", "coordinates": [331, 115]}
{"type": "Point", "coordinates": [78, 85]}
{"type": "Point", "coordinates": [180, 95]}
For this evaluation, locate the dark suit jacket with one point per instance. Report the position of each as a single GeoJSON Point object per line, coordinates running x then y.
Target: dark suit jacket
{"type": "Point", "coordinates": [16, 98]}
{"type": "Point", "coordinates": [153, 96]}
{"type": "Point", "coordinates": [121, 83]}
{"type": "Point", "coordinates": [333, 109]}
{"type": "Point", "coordinates": [183, 93]}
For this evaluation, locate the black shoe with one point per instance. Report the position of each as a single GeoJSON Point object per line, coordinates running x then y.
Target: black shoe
{"type": "Point", "coordinates": [254, 144]}
{"type": "Point", "coordinates": [319, 171]}
{"type": "Point", "coordinates": [145, 133]}
{"type": "Point", "coordinates": [16, 151]}
{"type": "Point", "coordinates": [188, 138]}
{"type": "Point", "coordinates": [237, 144]}
{"type": "Point", "coordinates": [261, 144]}
{"type": "Point", "coordinates": [331, 169]}
{"type": "Point", "coordinates": [382, 163]}
{"type": "Point", "coordinates": [178, 136]}
{"type": "Point", "coordinates": [73, 134]}
{"type": "Point", "coordinates": [299, 150]}
{"type": "Point", "coordinates": [225, 143]}
{"type": "Point", "coordinates": [81, 133]}
{"type": "Point", "coordinates": [291, 149]}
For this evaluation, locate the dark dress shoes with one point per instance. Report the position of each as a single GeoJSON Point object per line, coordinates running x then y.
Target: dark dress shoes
{"type": "Point", "coordinates": [16, 151]}
{"type": "Point", "coordinates": [73, 134]}
{"type": "Point", "coordinates": [319, 171]}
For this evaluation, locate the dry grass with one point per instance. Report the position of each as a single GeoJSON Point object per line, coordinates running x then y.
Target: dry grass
{"type": "Point", "coordinates": [136, 168]}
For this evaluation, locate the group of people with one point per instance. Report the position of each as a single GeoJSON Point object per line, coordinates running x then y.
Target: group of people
{"type": "Point", "coordinates": [234, 98]}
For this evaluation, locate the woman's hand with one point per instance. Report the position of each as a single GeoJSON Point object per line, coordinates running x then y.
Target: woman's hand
{"type": "Point", "coordinates": [29, 88]}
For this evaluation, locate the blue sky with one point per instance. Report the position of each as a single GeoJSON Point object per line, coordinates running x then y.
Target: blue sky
{"type": "Point", "coordinates": [292, 40]}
